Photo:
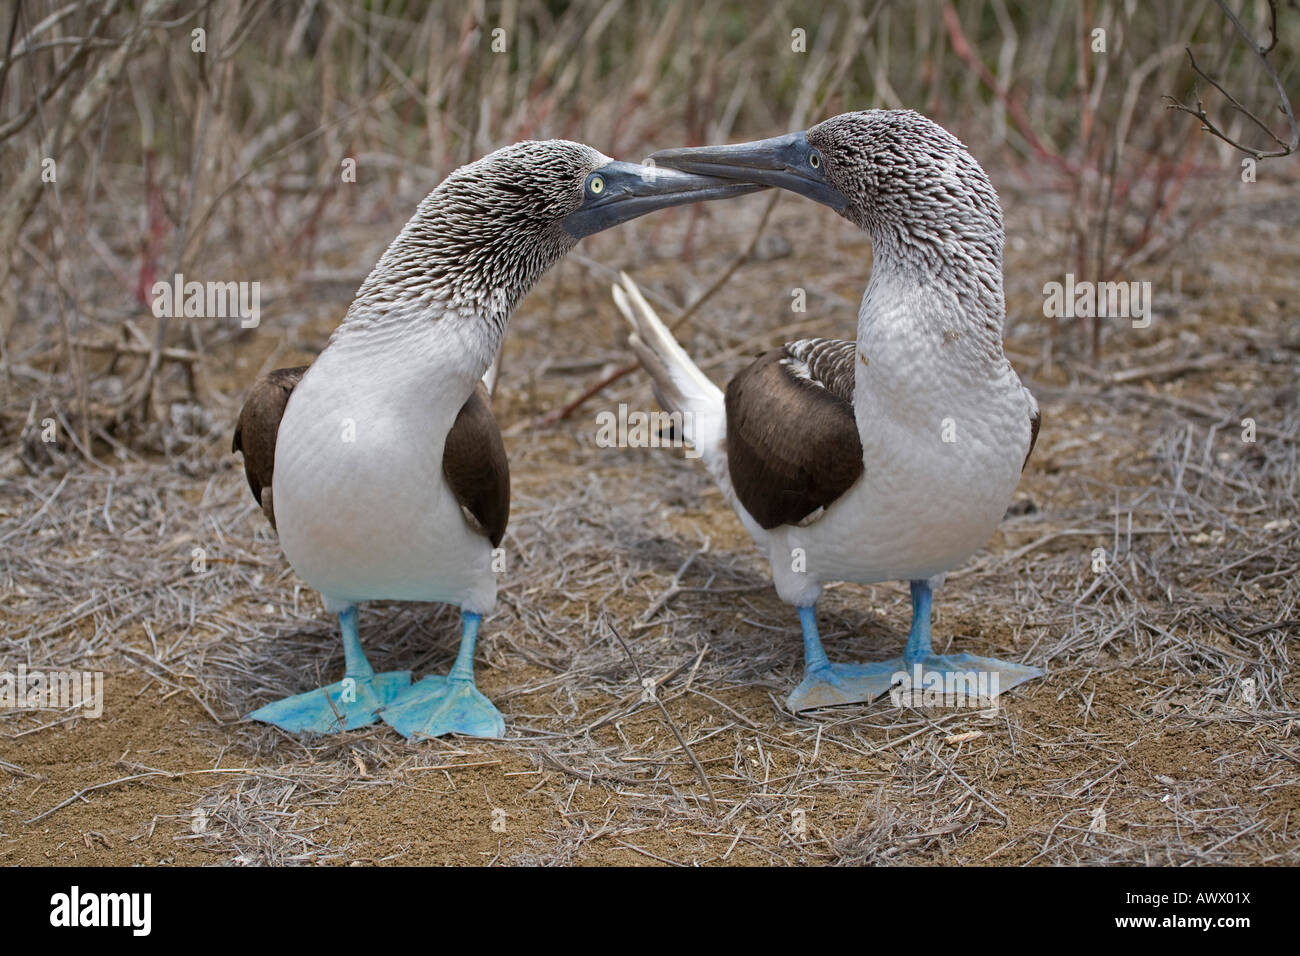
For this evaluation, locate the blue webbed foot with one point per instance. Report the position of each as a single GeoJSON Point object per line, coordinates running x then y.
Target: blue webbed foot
{"type": "Point", "coordinates": [834, 684]}
{"type": "Point", "coordinates": [956, 680]}
{"type": "Point", "coordinates": [344, 705]}
{"type": "Point", "coordinates": [917, 678]}
{"type": "Point", "coordinates": [942, 680]}
{"type": "Point", "coordinates": [453, 704]}
{"type": "Point", "coordinates": [439, 705]}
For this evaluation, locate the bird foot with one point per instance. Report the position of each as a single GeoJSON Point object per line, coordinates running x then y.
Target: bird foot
{"type": "Point", "coordinates": [439, 705]}
{"type": "Point", "coordinates": [343, 705]}
{"type": "Point", "coordinates": [935, 680]}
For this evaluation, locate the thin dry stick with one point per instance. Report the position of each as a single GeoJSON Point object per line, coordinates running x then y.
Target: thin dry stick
{"type": "Point", "coordinates": [14, 768]}
{"type": "Point", "coordinates": [455, 766]}
{"type": "Point", "coordinates": [99, 786]}
{"type": "Point", "coordinates": [674, 588]}
{"type": "Point", "coordinates": [672, 725]}
{"type": "Point", "coordinates": [1287, 147]}
{"type": "Point", "coordinates": [171, 774]}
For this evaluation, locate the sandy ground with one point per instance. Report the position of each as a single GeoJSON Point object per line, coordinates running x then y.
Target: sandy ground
{"type": "Point", "coordinates": [1145, 743]}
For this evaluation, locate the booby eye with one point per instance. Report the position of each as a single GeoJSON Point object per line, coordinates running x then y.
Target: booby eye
{"type": "Point", "coordinates": [596, 184]}
{"type": "Point", "coordinates": [815, 159]}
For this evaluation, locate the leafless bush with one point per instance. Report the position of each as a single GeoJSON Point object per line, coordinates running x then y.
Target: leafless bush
{"type": "Point", "coordinates": [227, 161]}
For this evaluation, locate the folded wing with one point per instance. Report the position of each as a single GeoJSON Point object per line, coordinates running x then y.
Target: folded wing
{"type": "Point", "coordinates": [792, 439]}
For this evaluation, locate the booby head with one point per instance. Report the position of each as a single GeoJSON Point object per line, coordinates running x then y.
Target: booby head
{"type": "Point", "coordinates": [493, 226]}
{"type": "Point", "coordinates": [894, 173]}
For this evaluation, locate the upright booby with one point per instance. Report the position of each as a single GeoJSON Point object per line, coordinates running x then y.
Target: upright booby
{"type": "Point", "coordinates": [890, 457]}
{"type": "Point", "coordinates": [381, 465]}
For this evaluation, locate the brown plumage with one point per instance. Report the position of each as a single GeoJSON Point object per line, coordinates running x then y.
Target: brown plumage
{"type": "Point", "coordinates": [1034, 435]}
{"type": "Point", "coordinates": [1035, 420]}
{"type": "Point", "coordinates": [259, 420]}
{"type": "Point", "coordinates": [792, 440]}
{"type": "Point", "coordinates": [473, 459]}
{"type": "Point", "coordinates": [474, 463]}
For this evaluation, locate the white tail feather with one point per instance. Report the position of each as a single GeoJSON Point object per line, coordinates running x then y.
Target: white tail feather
{"type": "Point", "coordinates": [490, 376]}
{"type": "Point", "coordinates": [680, 386]}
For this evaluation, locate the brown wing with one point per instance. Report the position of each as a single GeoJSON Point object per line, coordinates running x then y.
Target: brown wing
{"type": "Point", "coordinates": [259, 421]}
{"type": "Point", "coordinates": [474, 463]}
{"type": "Point", "coordinates": [792, 440]}
{"type": "Point", "coordinates": [1035, 420]}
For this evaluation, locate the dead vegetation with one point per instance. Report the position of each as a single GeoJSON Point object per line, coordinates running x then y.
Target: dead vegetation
{"type": "Point", "coordinates": [1163, 734]}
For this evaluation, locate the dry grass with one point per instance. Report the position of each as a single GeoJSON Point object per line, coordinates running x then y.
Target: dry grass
{"type": "Point", "coordinates": [1141, 745]}
{"type": "Point", "coordinates": [1142, 716]}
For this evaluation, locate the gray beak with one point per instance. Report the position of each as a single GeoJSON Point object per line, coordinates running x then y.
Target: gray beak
{"type": "Point", "coordinates": [787, 162]}
{"type": "Point", "coordinates": [618, 192]}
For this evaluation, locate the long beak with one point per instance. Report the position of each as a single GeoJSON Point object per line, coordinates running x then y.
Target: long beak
{"type": "Point", "coordinates": [629, 190]}
{"type": "Point", "coordinates": [787, 162]}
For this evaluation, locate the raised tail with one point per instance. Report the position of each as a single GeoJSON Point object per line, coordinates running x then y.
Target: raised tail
{"type": "Point", "coordinates": [678, 382]}
{"type": "Point", "coordinates": [680, 386]}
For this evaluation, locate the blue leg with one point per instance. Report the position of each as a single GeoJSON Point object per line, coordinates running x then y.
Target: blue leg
{"type": "Point", "coordinates": [345, 705]}
{"type": "Point", "coordinates": [918, 678]}
{"type": "Point", "coordinates": [448, 705]}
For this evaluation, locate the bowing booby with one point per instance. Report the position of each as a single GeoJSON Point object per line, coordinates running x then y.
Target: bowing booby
{"type": "Point", "coordinates": [381, 465]}
{"type": "Point", "coordinates": [890, 457]}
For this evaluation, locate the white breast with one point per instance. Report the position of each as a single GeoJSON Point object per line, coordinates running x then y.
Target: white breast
{"type": "Point", "coordinates": [944, 436]}
{"type": "Point", "coordinates": [362, 507]}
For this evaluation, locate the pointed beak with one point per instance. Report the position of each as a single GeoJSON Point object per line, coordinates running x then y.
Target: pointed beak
{"type": "Point", "coordinates": [629, 190]}
{"type": "Point", "coordinates": [787, 162]}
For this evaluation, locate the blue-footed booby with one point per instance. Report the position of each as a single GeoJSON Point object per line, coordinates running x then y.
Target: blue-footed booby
{"type": "Point", "coordinates": [890, 457]}
{"type": "Point", "coordinates": [381, 465]}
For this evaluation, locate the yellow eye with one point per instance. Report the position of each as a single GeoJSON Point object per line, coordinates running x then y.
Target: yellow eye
{"type": "Point", "coordinates": [596, 185]}
{"type": "Point", "coordinates": [814, 160]}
